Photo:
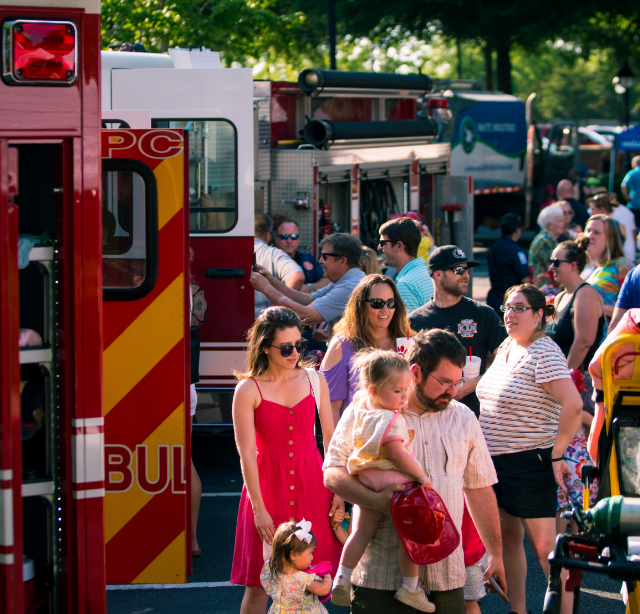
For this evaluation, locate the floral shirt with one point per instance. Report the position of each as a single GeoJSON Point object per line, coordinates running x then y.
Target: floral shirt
{"type": "Point", "coordinates": [288, 592]}
{"type": "Point", "coordinates": [540, 251]}
{"type": "Point", "coordinates": [608, 279]}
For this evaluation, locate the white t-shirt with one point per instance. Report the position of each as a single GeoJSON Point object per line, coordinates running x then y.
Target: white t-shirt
{"type": "Point", "coordinates": [625, 217]}
{"type": "Point", "coordinates": [516, 412]}
{"type": "Point", "coordinates": [278, 263]}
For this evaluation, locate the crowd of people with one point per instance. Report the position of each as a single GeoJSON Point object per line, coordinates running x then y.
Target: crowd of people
{"type": "Point", "coordinates": [483, 441]}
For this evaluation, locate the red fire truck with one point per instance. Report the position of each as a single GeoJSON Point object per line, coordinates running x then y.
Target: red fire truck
{"type": "Point", "coordinates": [94, 328]}
{"type": "Point", "coordinates": [51, 424]}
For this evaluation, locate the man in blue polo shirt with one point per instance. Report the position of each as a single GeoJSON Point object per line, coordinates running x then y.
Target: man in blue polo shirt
{"type": "Point", "coordinates": [631, 188]}
{"type": "Point", "coordinates": [399, 242]}
{"type": "Point", "coordinates": [629, 297]}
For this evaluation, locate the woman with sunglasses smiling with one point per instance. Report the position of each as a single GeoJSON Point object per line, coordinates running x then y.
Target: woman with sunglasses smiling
{"type": "Point", "coordinates": [273, 420]}
{"type": "Point", "coordinates": [529, 412]}
{"type": "Point", "coordinates": [373, 318]}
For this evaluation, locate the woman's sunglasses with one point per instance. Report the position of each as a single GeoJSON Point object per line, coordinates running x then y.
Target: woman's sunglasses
{"type": "Point", "coordinates": [379, 303]}
{"type": "Point", "coordinates": [286, 349]}
{"type": "Point", "coordinates": [555, 262]}
{"type": "Point", "coordinates": [294, 237]}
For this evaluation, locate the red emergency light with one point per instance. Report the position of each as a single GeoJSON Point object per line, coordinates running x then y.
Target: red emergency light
{"type": "Point", "coordinates": [39, 52]}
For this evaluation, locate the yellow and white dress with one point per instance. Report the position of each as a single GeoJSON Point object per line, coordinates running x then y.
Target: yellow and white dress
{"type": "Point", "coordinates": [372, 428]}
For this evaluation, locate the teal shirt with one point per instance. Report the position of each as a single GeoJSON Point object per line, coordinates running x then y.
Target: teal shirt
{"type": "Point", "coordinates": [414, 284]}
{"type": "Point", "coordinates": [540, 251]}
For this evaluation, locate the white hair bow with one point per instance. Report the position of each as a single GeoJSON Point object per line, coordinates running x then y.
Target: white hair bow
{"type": "Point", "coordinates": [303, 533]}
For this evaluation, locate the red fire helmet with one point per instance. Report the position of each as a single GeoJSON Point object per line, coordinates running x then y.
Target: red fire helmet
{"type": "Point", "coordinates": [424, 524]}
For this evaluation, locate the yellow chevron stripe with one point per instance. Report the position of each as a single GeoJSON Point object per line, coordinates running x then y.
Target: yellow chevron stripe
{"type": "Point", "coordinates": [143, 344]}
{"type": "Point", "coordinates": [169, 567]}
{"type": "Point", "coordinates": [170, 180]}
{"type": "Point", "coordinates": [120, 508]}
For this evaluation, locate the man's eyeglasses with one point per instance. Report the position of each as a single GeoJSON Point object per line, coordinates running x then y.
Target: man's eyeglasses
{"type": "Point", "coordinates": [555, 262]}
{"type": "Point", "coordinates": [379, 303]}
{"type": "Point", "coordinates": [459, 270]}
{"type": "Point", "coordinates": [516, 308]}
{"type": "Point", "coordinates": [447, 384]}
{"type": "Point", "coordinates": [325, 254]}
{"type": "Point", "coordinates": [381, 242]}
{"type": "Point", "coordinates": [294, 237]}
{"type": "Point", "coordinates": [286, 349]}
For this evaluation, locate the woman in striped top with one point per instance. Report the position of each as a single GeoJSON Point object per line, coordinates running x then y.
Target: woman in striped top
{"type": "Point", "coordinates": [530, 411]}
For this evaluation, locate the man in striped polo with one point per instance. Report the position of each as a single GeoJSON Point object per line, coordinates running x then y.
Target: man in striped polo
{"type": "Point", "coordinates": [399, 242]}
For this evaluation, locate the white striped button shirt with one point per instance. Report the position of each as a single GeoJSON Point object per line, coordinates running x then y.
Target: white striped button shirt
{"type": "Point", "coordinates": [451, 449]}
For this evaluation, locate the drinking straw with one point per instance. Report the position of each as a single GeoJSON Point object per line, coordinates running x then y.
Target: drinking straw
{"type": "Point", "coordinates": [470, 356]}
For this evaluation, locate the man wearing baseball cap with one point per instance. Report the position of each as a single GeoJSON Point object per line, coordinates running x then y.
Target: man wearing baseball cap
{"type": "Point", "coordinates": [476, 325]}
{"type": "Point", "coordinates": [449, 445]}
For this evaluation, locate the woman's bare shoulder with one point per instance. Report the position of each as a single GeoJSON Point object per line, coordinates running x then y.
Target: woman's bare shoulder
{"type": "Point", "coordinates": [333, 355]}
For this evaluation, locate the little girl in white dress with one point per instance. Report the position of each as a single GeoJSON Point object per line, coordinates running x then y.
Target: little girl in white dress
{"type": "Point", "coordinates": [292, 589]}
{"type": "Point", "coordinates": [381, 457]}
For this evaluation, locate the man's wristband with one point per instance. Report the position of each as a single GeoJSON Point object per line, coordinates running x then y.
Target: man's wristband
{"type": "Point", "coordinates": [557, 460]}
{"type": "Point", "coordinates": [310, 287]}
{"type": "Point", "coordinates": [598, 396]}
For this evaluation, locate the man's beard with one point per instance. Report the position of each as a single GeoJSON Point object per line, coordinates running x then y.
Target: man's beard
{"type": "Point", "coordinates": [454, 288]}
{"type": "Point", "coordinates": [440, 403]}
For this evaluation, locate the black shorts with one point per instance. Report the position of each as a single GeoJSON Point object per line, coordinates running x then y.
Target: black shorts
{"type": "Point", "coordinates": [526, 486]}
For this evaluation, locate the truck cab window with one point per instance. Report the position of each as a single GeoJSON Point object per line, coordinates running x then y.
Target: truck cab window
{"type": "Point", "coordinates": [129, 229]}
{"type": "Point", "coordinates": [213, 173]}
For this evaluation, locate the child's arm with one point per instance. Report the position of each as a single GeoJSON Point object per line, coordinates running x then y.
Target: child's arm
{"type": "Point", "coordinates": [322, 589]}
{"type": "Point", "coordinates": [404, 462]}
{"type": "Point", "coordinates": [341, 534]}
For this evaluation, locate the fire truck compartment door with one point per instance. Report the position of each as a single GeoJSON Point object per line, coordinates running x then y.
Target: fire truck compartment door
{"type": "Point", "coordinates": [198, 94]}
{"type": "Point", "coordinates": [10, 417]}
{"type": "Point", "coordinates": [145, 365]}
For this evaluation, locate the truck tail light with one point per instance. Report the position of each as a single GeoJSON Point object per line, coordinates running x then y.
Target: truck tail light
{"type": "Point", "coordinates": [439, 110]}
{"type": "Point", "coordinates": [39, 52]}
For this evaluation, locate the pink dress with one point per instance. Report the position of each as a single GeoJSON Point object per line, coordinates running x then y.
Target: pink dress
{"type": "Point", "coordinates": [290, 471]}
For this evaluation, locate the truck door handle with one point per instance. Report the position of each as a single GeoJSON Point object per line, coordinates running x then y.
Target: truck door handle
{"type": "Point", "coordinates": [224, 273]}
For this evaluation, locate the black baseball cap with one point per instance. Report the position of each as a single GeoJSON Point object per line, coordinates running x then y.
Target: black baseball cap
{"type": "Point", "coordinates": [448, 256]}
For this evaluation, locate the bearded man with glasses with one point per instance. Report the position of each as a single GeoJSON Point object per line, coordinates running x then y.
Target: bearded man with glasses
{"type": "Point", "coordinates": [477, 326]}
{"type": "Point", "coordinates": [449, 445]}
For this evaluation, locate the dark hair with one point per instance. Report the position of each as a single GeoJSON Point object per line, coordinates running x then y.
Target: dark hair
{"type": "Point", "coordinates": [510, 222]}
{"type": "Point", "coordinates": [431, 346]}
{"type": "Point", "coordinates": [536, 300]}
{"type": "Point", "coordinates": [262, 224]}
{"type": "Point", "coordinates": [576, 251]}
{"type": "Point", "coordinates": [354, 325]}
{"type": "Point", "coordinates": [345, 245]}
{"type": "Point", "coordinates": [287, 221]}
{"type": "Point", "coordinates": [285, 543]}
{"type": "Point", "coordinates": [403, 229]}
{"type": "Point", "coordinates": [261, 335]}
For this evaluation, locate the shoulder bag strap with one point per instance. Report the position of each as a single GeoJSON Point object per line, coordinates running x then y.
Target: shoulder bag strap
{"type": "Point", "coordinates": [314, 380]}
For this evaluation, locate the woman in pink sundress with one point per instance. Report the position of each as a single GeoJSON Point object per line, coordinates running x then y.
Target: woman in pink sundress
{"type": "Point", "coordinates": [273, 418]}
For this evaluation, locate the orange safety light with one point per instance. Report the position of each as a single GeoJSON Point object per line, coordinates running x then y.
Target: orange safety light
{"type": "Point", "coordinates": [39, 52]}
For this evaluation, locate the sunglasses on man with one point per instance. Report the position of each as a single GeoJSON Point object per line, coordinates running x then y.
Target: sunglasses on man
{"type": "Point", "coordinates": [286, 349]}
{"type": "Point", "coordinates": [459, 270]}
{"type": "Point", "coordinates": [294, 237]}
